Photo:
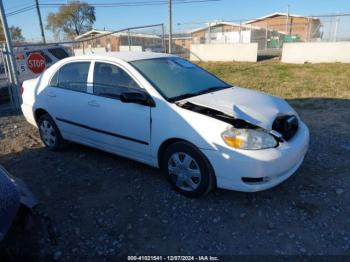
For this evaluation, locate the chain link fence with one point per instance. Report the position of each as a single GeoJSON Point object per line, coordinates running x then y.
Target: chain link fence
{"type": "Point", "coordinates": [145, 38]}
{"type": "Point", "coordinates": [333, 28]}
{"type": "Point", "coordinates": [269, 32]}
{"type": "Point", "coordinates": [142, 38]}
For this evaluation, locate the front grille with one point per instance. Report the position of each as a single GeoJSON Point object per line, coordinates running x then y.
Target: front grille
{"type": "Point", "coordinates": [286, 125]}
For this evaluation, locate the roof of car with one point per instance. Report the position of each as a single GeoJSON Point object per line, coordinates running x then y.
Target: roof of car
{"type": "Point", "coordinates": [127, 56]}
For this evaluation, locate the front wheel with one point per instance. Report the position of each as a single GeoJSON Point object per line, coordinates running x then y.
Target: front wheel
{"type": "Point", "coordinates": [49, 133]}
{"type": "Point", "coordinates": [187, 169]}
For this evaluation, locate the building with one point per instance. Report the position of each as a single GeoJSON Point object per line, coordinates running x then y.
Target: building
{"type": "Point", "coordinates": [107, 41]}
{"type": "Point", "coordinates": [231, 33]}
{"type": "Point", "coordinates": [295, 27]}
{"type": "Point", "coordinates": [270, 32]}
{"type": "Point", "coordinates": [181, 44]}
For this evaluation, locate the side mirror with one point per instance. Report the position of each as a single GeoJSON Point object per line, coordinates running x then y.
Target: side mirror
{"type": "Point", "coordinates": [141, 98]}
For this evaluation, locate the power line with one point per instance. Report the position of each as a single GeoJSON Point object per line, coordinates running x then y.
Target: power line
{"type": "Point", "coordinates": [13, 7]}
{"type": "Point", "coordinates": [21, 10]}
{"type": "Point", "coordinates": [112, 4]}
{"type": "Point", "coordinates": [131, 4]}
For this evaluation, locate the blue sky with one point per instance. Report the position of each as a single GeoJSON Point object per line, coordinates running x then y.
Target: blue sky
{"type": "Point", "coordinates": [187, 14]}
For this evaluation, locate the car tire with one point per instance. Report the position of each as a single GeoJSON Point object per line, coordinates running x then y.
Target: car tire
{"type": "Point", "coordinates": [188, 170]}
{"type": "Point", "coordinates": [49, 133]}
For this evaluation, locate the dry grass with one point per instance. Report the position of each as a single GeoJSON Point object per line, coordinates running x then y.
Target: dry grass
{"type": "Point", "coordinates": [286, 80]}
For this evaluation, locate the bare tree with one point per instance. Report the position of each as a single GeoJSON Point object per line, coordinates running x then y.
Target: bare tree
{"type": "Point", "coordinates": [16, 34]}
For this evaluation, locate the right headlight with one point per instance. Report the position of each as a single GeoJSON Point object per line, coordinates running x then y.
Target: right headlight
{"type": "Point", "coordinates": [248, 139]}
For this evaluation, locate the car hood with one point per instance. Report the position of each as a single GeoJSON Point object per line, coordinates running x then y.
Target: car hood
{"type": "Point", "coordinates": [257, 108]}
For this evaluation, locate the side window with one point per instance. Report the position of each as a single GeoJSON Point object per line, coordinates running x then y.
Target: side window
{"type": "Point", "coordinates": [59, 53]}
{"type": "Point", "coordinates": [72, 76]}
{"type": "Point", "coordinates": [111, 81]}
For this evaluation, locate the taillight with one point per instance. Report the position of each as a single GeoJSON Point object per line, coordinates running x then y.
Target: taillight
{"type": "Point", "coordinates": [22, 90]}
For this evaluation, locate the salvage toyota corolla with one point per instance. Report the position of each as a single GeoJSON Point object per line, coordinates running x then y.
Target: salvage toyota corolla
{"type": "Point", "coordinates": [164, 111]}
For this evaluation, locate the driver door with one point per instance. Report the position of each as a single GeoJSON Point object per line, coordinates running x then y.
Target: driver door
{"type": "Point", "coordinates": [123, 128]}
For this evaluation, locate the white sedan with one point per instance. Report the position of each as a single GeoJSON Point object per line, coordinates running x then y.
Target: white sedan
{"type": "Point", "coordinates": [164, 111]}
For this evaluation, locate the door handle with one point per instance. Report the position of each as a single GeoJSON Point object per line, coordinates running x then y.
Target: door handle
{"type": "Point", "coordinates": [51, 94]}
{"type": "Point", "coordinates": [93, 103]}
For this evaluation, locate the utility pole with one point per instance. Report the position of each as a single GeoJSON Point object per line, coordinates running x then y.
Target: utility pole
{"type": "Point", "coordinates": [17, 99]}
{"type": "Point", "coordinates": [170, 26]}
{"type": "Point", "coordinates": [40, 21]}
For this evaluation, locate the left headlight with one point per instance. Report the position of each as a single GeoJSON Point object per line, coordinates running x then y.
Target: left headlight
{"type": "Point", "coordinates": [248, 139]}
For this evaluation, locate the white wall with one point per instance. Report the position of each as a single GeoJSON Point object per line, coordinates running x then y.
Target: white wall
{"type": "Point", "coordinates": [133, 48]}
{"type": "Point", "coordinates": [326, 52]}
{"type": "Point", "coordinates": [89, 51]}
{"type": "Point", "coordinates": [229, 37]}
{"type": "Point", "coordinates": [224, 52]}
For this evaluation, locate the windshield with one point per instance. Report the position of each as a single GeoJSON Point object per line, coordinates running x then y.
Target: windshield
{"type": "Point", "coordinates": [177, 79]}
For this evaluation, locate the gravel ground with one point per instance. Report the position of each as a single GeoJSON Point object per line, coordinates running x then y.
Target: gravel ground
{"type": "Point", "coordinates": [97, 205]}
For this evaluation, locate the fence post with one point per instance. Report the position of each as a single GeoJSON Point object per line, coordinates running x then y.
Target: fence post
{"type": "Point", "coordinates": [307, 29]}
{"type": "Point", "coordinates": [336, 28]}
{"type": "Point", "coordinates": [209, 33]}
{"type": "Point", "coordinates": [7, 73]}
{"type": "Point", "coordinates": [266, 36]}
{"type": "Point", "coordinates": [287, 21]}
{"type": "Point", "coordinates": [240, 32]}
{"type": "Point", "coordinates": [129, 42]}
{"type": "Point", "coordinates": [12, 62]}
{"type": "Point", "coordinates": [163, 39]}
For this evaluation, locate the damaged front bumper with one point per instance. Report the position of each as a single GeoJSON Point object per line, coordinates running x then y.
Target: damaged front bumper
{"type": "Point", "coordinates": [256, 170]}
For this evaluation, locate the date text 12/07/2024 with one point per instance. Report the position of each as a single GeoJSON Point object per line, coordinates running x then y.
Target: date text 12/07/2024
{"type": "Point", "coordinates": [173, 258]}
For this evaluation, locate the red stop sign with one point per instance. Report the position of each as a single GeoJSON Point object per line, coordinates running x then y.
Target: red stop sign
{"type": "Point", "coordinates": [36, 63]}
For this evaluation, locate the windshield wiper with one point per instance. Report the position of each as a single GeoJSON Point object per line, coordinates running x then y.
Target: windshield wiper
{"type": "Point", "coordinates": [211, 89]}
{"type": "Point", "coordinates": [205, 91]}
{"type": "Point", "coordinates": [181, 97]}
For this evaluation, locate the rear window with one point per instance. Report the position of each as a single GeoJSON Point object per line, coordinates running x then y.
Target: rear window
{"type": "Point", "coordinates": [59, 53]}
{"type": "Point", "coordinates": [48, 60]}
{"type": "Point", "coordinates": [72, 76]}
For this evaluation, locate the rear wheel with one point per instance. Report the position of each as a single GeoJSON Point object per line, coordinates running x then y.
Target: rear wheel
{"type": "Point", "coordinates": [49, 133]}
{"type": "Point", "coordinates": [187, 169]}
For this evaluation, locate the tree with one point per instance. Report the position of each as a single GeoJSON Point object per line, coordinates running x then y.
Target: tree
{"type": "Point", "coordinates": [72, 19]}
{"type": "Point", "coordinates": [16, 34]}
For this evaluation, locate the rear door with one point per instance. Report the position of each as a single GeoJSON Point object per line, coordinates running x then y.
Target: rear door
{"type": "Point", "coordinates": [68, 100]}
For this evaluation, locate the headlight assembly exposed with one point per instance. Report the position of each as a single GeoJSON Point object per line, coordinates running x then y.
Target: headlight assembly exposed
{"type": "Point", "coordinates": [248, 139]}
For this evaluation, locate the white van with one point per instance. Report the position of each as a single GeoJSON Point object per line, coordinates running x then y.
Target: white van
{"type": "Point", "coordinates": [52, 54]}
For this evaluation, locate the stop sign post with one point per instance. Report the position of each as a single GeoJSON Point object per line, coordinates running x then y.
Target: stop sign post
{"type": "Point", "coordinates": [36, 63]}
